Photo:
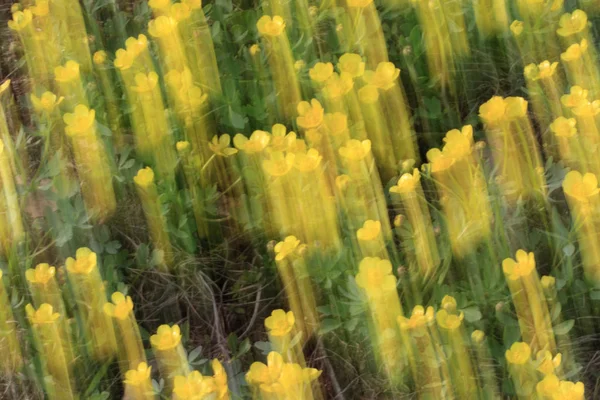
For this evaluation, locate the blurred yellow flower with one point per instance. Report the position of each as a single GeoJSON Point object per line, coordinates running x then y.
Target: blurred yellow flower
{"type": "Point", "coordinates": [548, 387]}
{"type": "Point", "coordinates": [47, 102]}
{"type": "Point", "coordinates": [407, 182]}
{"type": "Point", "coordinates": [85, 261]}
{"type": "Point", "coordinates": [543, 70]}
{"type": "Point", "coordinates": [516, 107]}
{"type": "Point", "coordinates": [41, 8]}
{"type": "Point", "coordinates": [338, 85]}
{"type": "Point", "coordinates": [41, 274]}
{"type": "Point", "coordinates": [352, 64]}
{"type": "Point", "coordinates": [265, 375]}
{"type": "Point", "coordinates": [307, 161]}
{"type": "Point", "coordinates": [79, 122]}
{"type": "Point", "coordinates": [135, 46]}
{"type": "Point", "coordinates": [166, 337]}
{"type": "Point", "coordinates": [310, 115]}
{"type": "Point", "coordinates": [280, 323]}
{"type": "Point", "coordinates": [162, 26]}
{"type": "Point", "coordinates": [518, 354]}
{"type": "Point", "coordinates": [336, 123]}
{"type": "Point", "coordinates": [355, 150]}
{"type": "Point", "coordinates": [279, 164]}
{"type": "Point", "coordinates": [576, 97]}
{"type": "Point", "coordinates": [571, 24]}
{"type": "Point", "coordinates": [184, 145]}
{"type": "Point", "coordinates": [139, 376]}
{"type": "Point", "coordinates": [448, 321]}
{"type": "Point", "coordinates": [458, 144]}
{"type": "Point", "coordinates": [268, 26]}
{"type": "Point", "coordinates": [281, 140]}
{"type": "Point", "coordinates": [548, 282]}
{"type": "Point", "coordinates": [120, 308]}
{"type": "Point", "coordinates": [368, 94]}
{"type": "Point", "coordinates": [375, 276]}
{"type": "Point", "coordinates": [41, 316]}
{"type": "Point", "coordinates": [516, 27]}
{"type": "Point", "coordinates": [449, 304]}
{"type": "Point", "coordinates": [220, 145]}
{"type": "Point", "coordinates": [521, 267]}
{"type": "Point", "coordinates": [575, 51]}
{"type": "Point", "coordinates": [99, 57]}
{"type": "Point", "coordinates": [493, 110]}
{"type": "Point", "coordinates": [193, 387]}
{"type": "Point", "coordinates": [384, 77]}
{"type": "Point", "coordinates": [124, 59]}
{"type": "Point", "coordinates": [255, 144]}
{"type": "Point", "coordinates": [180, 12]}
{"type": "Point", "coordinates": [439, 161]}
{"type": "Point", "coordinates": [547, 364]}
{"type": "Point", "coordinates": [286, 247]}
{"type": "Point", "coordinates": [570, 391]}
{"type": "Point", "coordinates": [145, 83]}
{"type": "Point", "coordinates": [159, 4]}
{"type": "Point", "coordinates": [144, 177]}
{"type": "Point", "coordinates": [20, 20]}
{"type": "Point", "coordinates": [563, 127]}
{"type": "Point", "coordinates": [255, 48]}
{"type": "Point", "coordinates": [67, 72]}
{"type": "Point", "coordinates": [220, 378]}
{"type": "Point", "coordinates": [193, 4]}
{"type": "Point", "coordinates": [477, 336]}
{"type": "Point", "coordinates": [369, 231]}
{"type": "Point", "coordinates": [321, 72]}
{"type": "Point", "coordinates": [581, 187]}
{"type": "Point", "coordinates": [587, 109]}
{"type": "Point", "coordinates": [418, 319]}
{"type": "Point", "coordinates": [358, 3]}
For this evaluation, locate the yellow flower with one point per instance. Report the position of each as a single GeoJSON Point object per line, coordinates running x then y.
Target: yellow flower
{"type": "Point", "coordinates": [576, 97]}
{"type": "Point", "coordinates": [220, 378]}
{"type": "Point", "coordinates": [281, 140]}
{"type": "Point", "coordinates": [286, 247]}
{"type": "Point", "coordinates": [543, 70]}
{"type": "Point", "coordinates": [384, 77]}
{"type": "Point", "coordinates": [4, 86]}
{"type": "Point", "coordinates": [516, 107]}
{"type": "Point", "coordinates": [570, 391]}
{"type": "Point", "coordinates": [124, 59]}
{"type": "Point", "coordinates": [375, 276]}
{"type": "Point", "coordinates": [184, 145]}
{"type": "Point", "coordinates": [587, 109]}
{"type": "Point", "coordinates": [297, 146]}
{"type": "Point", "coordinates": [571, 24]}
{"type": "Point", "coordinates": [546, 364]}
{"type": "Point", "coordinates": [41, 275]}
{"type": "Point", "coordinates": [310, 115]}
{"type": "Point", "coordinates": [355, 150]}
{"type": "Point", "coordinates": [99, 57]}
{"type": "Point", "coordinates": [338, 85]}
{"type": "Point", "coordinates": [120, 307]}
{"type": "Point", "coordinates": [581, 187]}
{"type": "Point", "coordinates": [336, 123]}
{"type": "Point", "coordinates": [449, 304]}
{"type": "Point", "coordinates": [255, 144]}
{"type": "Point", "coordinates": [293, 378]}
{"type": "Point", "coordinates": [321, 72]}
{"type": "Point", "coordinates": [162, 26]}
{"type": "Point", "coordinates": [563, 127]}
{"type": "Point", "coordinates": [439, 161]}
{"type": "Point", "coordinates": [449, 321]}
{"type": "Point", "coordinates": [220, 145]}
{"type": "Point", "coordinates": [79, 122]}
{"type": "Point", "coordinates": [144, 177]}
{"type": "Point", "coordinates": [268, 26]}
{"type": "Point", "coordinates": [85, 261]}
{"type": "Point", "coordinates": [493, 111]}
{"type": "Point", "coordinates": [368, 94]}
{"type": "Point", "coordinates": [193, 387]}
{"type": "Point", "coordinates": [548, 282]}
{"type": "Point", "coordinates": [41, 8]}
{"type": "Point", "coordinates": [548, 387]}
{"type": "Point", "coordinates": [135, 46]}
{"type": "Point", "coordinates": [139, 376]}
{"type": "Point", "coordinates": [46, 103]}
{"type": "Point", "coordinates": [418, 319]}
{"type": "Point", "coordinates": [145, 83]}
{"type": "Point", "coordinates": [159, 4]}
{"type": "Point", "coordinates": [359, 3]}
{"type": "Point", "coordinates": [266, 375]}
{"type": "Point", "coordinates": [42, 315]}
{"type": "Point", "coordinates": [516, 27]}
{"type": "Point", "coordinates": [279, 164]}
{"type": "Point", "coordinates": [369, 231]}
{"type": "Point", "coordinates": [193, 4]}
{"type": "Point", "coordinates": [20, 20]}
{"type": "Point", "coordinates": [280, 323]}
{"type": "Point", "coordinates": [575, 51]}
{"type": "Point", "coordinates": [518, 354]}
{"type": "Point", "coordinates": [180, 11]}
{"type": "Point", "coordinates": [521, 267]}
{"type": "Point", "coordinates": [477, 336]}
{"type": "Point", "coordinates": [254, 49]}
{"type": "Point", "coordinates": [309, 161]}
{"type": "Point", "coordinates": [67, 72]}
{"type": "Point", "coordinates": [166, 337]}
{"type": "Point", "coordinates": [352, 64]}
{"type": "Point", "coordinates": [458, 144]}
{"type": "Point", "coordinates": [407, 182]}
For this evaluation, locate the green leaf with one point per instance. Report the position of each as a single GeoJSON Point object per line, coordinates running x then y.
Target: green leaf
{"type": "Point", "coordinates": [264, 347]}
{"type": "Point", "coordinates": [472, 314]}
{"type": "Point", "coordinates": [329, 325]}
{"type": "Point", "coordinates": [595, 295]}
{"type": "Point", "coordinates": [569, 250]}
{"type": "Point", "coordinates": [564, 327]}
{"type": "Point", "coordinates": [245, 347]}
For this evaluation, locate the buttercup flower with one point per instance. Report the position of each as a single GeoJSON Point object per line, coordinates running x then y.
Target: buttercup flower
{"type": "Point", "coordinates": [493, 110]}
{"type": "Point", "coordinates": [85, 261]}
{"type": "Point", "coordinates": [144, 177]}
{"type": "Point", "coordinates": [220, 145]}
{"type": "Point", "coordinates": [41, 8]}
{"type": "Point", "coordinates": [47, 102]}
{"type": "Point", "coordinates": [194, 386]}
{"type": "Point", "coordinates": [352, 64]}
{"type": "Point", "coordinates": [548, 387]}
{"type": "Point", "coordinates": [546, 363]}
{"type": "Point", "coordinates": [255, 48]}
{"type": "Point", "coordinates": [384, 77]}
{"type": "Point", "coordinates": [516, 27]}
{"type": "Point", "coordinates": [159, 4]}
{"type": "Point", "coordinates": [41, 274]}
{"type": "Point", "coordinates": [515, 107]}
{"type": "Point", "coordinates": [418, 319]}
{"type": "Point", "coordinates": [67, 72]}
{"type": "Point", "coordinates": [570, 390]}
{"type": "Point", "coordinates": [439, 161]}
{"type": "Point", "coordinates": [571, 24]}
{"type": "Point", "coordinates": [166, 338]}
{"type": "Point", "coordinates": [575, 51]}
{"type": "Point", "coordinates": [99, 57]}
{"type": "Point", "coordinates": [458, 144]}
{"type": "Point", "coordinates": [310, 115]}
{"type": "Point", "coordinates": [193, 4]}
{"type": "Point", "coordinates": [124, 59]}
{"type": "Point", "coordinates": [375, 276]}
{"type": "Point", "coordinates": [338, 85]}
{"type": "Point", "coordinates": [135, 46]}
{"type": "Point", "coordinates": [518, 354]}
{"type": "Point", "coordinates": [279, 164]}
{"type": "Point", "coordinates": [449, 321]}
{"type": "Point", "coordinates": [449, 304]}
{"type": "Point", "coordinates": [286, 247]}
{"type": "Point", "coordinates": [369, 231]}
{"type": "Point", "coordinates": [524, 264]}
{"type": "Point", "coordinates": [220, 378]}
{"type": "Point", "coordinates": [563, 127]}
{"type": "Point", "coordinates": [281, 140]}
{"type": "Point", "coordinates": [20, 20]}
{"type": "Point", "coordinates": [576, 97]}
{"type": "Point", "coordinates": [180, 11]}
{"type": "Point", "coordinates": [544, 70]}
{"type": "Point", "coordinates": [41, 316]}
{"type": "Point", "coordinates": [548, 281]}
{"type": "Point", "coordinates": [307, 161]}
{"type": "Point", "coordinates": [145, 83]}
{"type": "Point", "coordinates": [368, 94]}
{"type": "Point", "coordinates": [477, 336]}
{"type": "Point", "coordinates": [80, 122]}
{"type": "Point", "coordinates": [587, 109]}
{"type": "Point", "coordinates": [268, 26]}
{"type": "Point", "coordinates": [162, 26]}
{"type": "Point", "coordinates": [255, 144]}
{"type": "Point", "coordinates": [407, 182]}
{"type": "Point", "coordinates": [336, 123]}
{"type": "Point", "coordinates": [120, 307]}
{"type": "Point", "coordinates": [139, 376]}
{"type": "Point", "coordinates": [266, 375]}
{"type": "Point", "coordinates": [355, 149]}
{"type": "Point", "coordinates": [280, 323]}
{"type": "Point", "coordinates": [581, 187]}
{"type": "Point", "coordinates": [321, 72]}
